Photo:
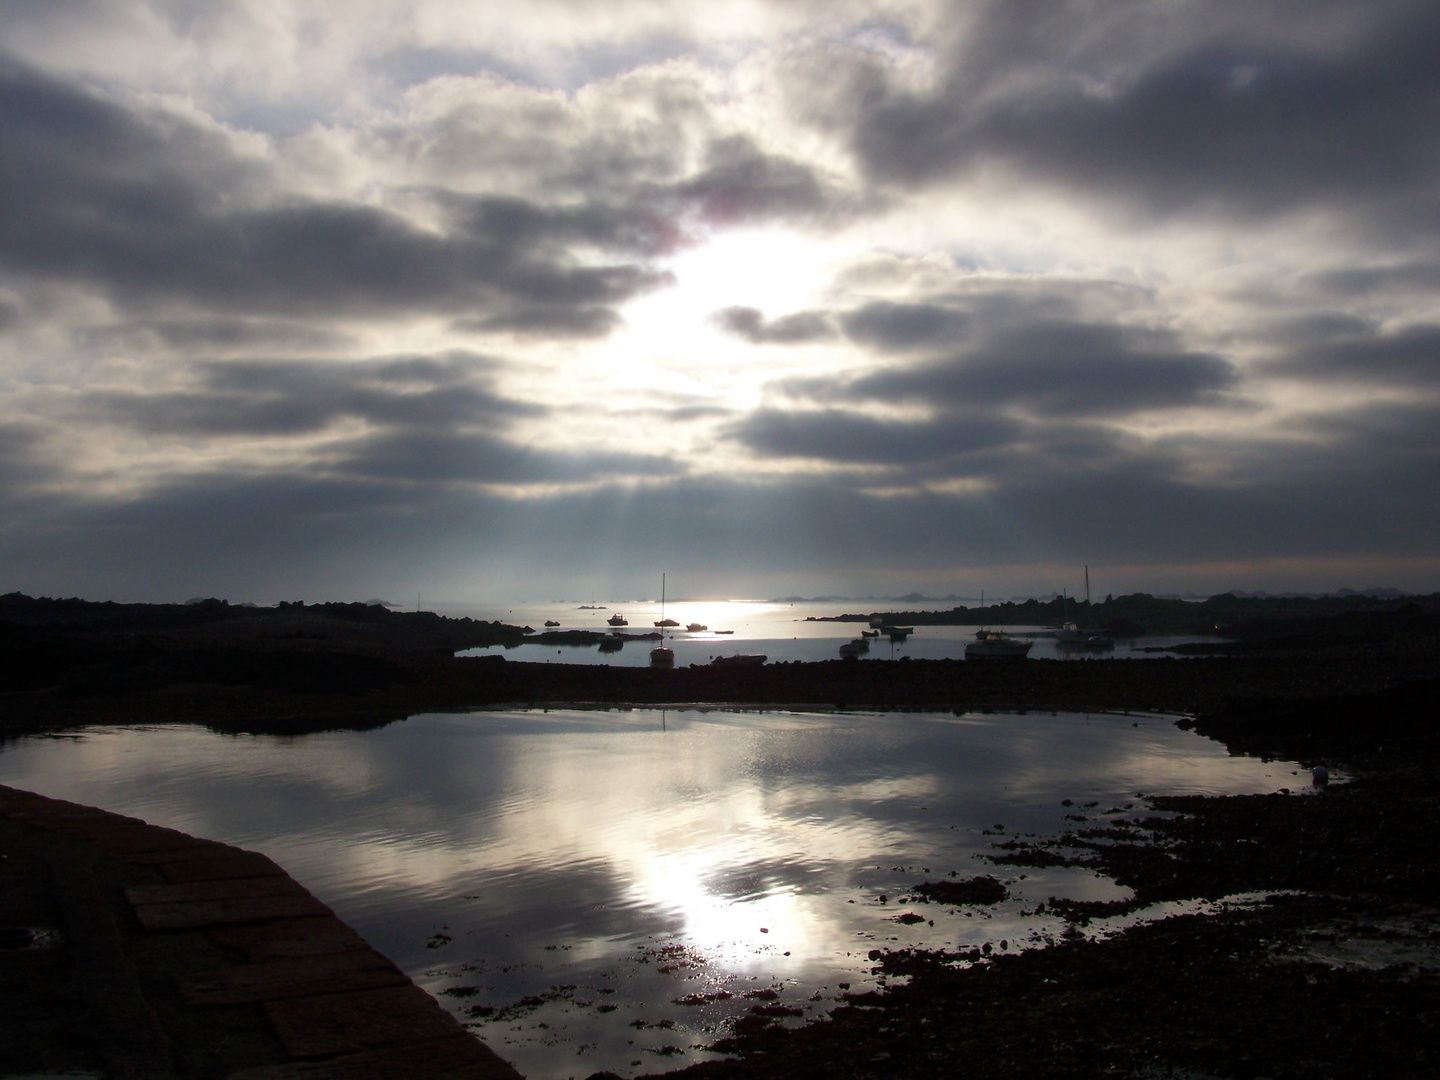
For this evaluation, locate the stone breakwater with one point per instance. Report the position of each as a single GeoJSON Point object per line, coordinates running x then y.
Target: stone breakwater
{"type": "Point", "coordinates": [129, 950]}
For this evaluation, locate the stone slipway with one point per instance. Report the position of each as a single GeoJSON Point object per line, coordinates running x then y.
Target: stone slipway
{"type": "Point", "coordinates": [129, 950]}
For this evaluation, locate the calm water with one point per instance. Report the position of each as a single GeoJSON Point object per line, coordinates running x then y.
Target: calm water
{"type": "Point", "coordinates": [780, 631]}
{"type": "Point", "coordinates": [578, 876]}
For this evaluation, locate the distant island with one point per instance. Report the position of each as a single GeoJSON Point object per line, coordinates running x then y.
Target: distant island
{"type": "Point", "coordinates": [1142, 614]}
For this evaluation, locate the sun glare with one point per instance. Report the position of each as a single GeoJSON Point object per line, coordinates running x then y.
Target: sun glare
{"type": "Point", "coordinates": [774, 271]}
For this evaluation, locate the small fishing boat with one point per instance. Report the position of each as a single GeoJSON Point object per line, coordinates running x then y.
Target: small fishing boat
{"type": "Point", "coordinates": [618, 620]}
{"type": "Point", "coordinates": [696, 628]}
{"type": "Point", "coordinates": [551, 622]}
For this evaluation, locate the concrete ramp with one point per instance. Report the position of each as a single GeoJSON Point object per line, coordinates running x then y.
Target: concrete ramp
{"type": "Point", "coordinates": [130, 950]}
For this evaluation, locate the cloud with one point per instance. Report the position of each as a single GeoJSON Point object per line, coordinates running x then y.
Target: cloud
{"type": "Point", "coordinates": [796, 328]}
{"type": "Point", "coordinates": [891, 326]}
{"type": "Point", "coordinates": [478, 457]}
{"type": "Point", "coordinates": [259, 398]}
{"type": "Point", "coordinates": [151, 207]}
{"type": "Point", "coordinates": [1406, 357]}
{"type": "Point", "coordinates": [849, 437]}
{"type": "Point", "coordinates": [1047, 369]}
{"type": "Point", "coordinates": [1173, 110]}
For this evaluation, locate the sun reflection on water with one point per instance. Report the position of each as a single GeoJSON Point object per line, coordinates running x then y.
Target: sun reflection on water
{"type": "Point", "coordinates": [628, 868]}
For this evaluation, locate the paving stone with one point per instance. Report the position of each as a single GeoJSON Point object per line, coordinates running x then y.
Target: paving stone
{"type": "Point", "coordinates": [198, 850]}
{"type": "Point", "coordinates": [456, 1058]}
{"type": "Point", "coordinates": [237, 864]}
{"type": "Point", "coordinates": [361, 969]}
{"type": "Point", "coordinates": [227, 889]}
{"type": "Point", "coordinates": [206, 913]}
{"type": "Point", "coordinates": [330, 1024]}
{"type": "Point", "coordinates": [283, 939]}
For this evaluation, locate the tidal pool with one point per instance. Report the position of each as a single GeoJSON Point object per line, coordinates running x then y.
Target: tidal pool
{"type": "Point", "coordinates": [609, 889]}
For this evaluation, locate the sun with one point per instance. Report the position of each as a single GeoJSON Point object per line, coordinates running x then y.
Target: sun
{"type": "Point", "coordinates": [775, 271]}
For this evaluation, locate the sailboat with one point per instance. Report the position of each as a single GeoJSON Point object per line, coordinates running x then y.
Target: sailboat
{"type": "Point", "coordinates": [661, 656]}
{"type": "Point", "coordinates": [1075, 637]}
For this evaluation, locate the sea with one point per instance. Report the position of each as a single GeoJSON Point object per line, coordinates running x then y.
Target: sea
{"type": "Point", "coordinates": [779, 630]}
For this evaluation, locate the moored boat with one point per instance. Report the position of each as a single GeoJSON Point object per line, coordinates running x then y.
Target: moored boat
{"type": "Point", "coordinates": [618, 620]}
{"type": "Point", "coordinates": [996, 645]}
{"type": "Point", "coordinates": [662, 656]}
{"type": "Point", "coordinates": [738, 660]}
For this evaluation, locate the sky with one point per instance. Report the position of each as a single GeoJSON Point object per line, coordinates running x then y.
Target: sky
{"type": "Point", "coordinates": [327, 301]}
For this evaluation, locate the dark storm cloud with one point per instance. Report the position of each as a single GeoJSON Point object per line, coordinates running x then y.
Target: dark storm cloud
{"type": "Point", "coordinates": [1176, 108]}
{"type": "Point", "coordinates": [796, 328]}
{"type": "Point", "coordinates": [149, 205]}
{"type": "Point", "coordinates": [281, 397]}
{"type": "Point", "coordinates": [1409, 357]}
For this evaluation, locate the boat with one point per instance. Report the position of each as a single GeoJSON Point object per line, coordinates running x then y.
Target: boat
{"type": "Point", "coordinates": [869, 633]}
{"type": "Point", "coordinates": [897, 633]}
{"type": "Point", "coordinates": [1073, 636]}
{"type": "Point", "coordinates": [696, 628]}
{"type": "Point", "coordinates": [739, 660]}
{"type": "Point", "coordinates": [851, 649]}
{"type": "Point", "coordinates": [662, 656]}
{"type": "Point", "coordinates": [611, 644]}
{"type": "Point", "coordinates": [724, 631]}
{"type": "Point", "coordinates": [996, 645]}
{"type": "Point", "coordinates": [618, 620]}
{"type": "Point", "coordinates": [551, 622]}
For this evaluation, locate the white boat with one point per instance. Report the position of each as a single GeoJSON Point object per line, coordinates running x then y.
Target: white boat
{"type": "Point", "coordinates": [996, 645]}
{"type": "Point", "coordinates": [617, 620]}
{"type": "Point", "coordinates": [661, 656]}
